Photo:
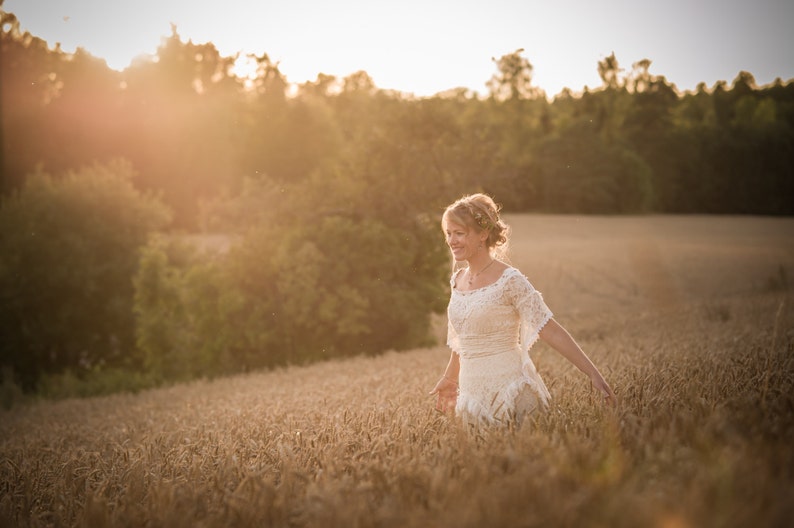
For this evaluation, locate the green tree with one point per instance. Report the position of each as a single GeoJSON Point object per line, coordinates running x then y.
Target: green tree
{"type": "Point", "coordinates": [329, 286]}
{"type": "Point", "coordinates": [580, 172]}
{"type": "Point", "coordinates": [513, 79]}
{"type": "Point", "coordinates": [648, 130]}
{"type": "Point", "coordinates": [68, 251]}
{"type": "Point", "coordinates": [28, 70]}
{"type": "Point", "coordinates": [609, 70]}
{"type": "Point", "coordinates": [188, 317]}
{"type": "Point", "coordinates": [181, 124]}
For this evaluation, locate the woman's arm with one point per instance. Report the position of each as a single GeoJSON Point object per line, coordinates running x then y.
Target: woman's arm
{"type": "Point", "coordinates": [447, 386]}
{"type": "Point", "coordinates": [560, 340]}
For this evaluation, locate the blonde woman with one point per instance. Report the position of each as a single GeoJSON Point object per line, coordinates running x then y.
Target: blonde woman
{"type": "Point", "coordinates": [495, 316]}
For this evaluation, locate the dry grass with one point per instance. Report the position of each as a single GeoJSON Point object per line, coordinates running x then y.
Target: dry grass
{"type": "Point", "coordinates": [689, 318]}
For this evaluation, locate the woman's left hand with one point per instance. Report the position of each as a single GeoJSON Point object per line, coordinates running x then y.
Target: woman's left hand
{"type": "Point", "coordinates": [600, 384]}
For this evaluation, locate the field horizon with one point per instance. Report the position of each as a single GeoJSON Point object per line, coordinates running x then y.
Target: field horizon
{"type": "Point", "coordinates": [688, 317]}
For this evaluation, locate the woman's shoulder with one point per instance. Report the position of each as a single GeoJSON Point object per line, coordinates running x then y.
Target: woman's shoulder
{"type": "Point", "coordinates": [516, 278]}
{"type": "Point", "coordinates": [503, 274]}
{"type": "Point", "coordinates": [512, 273]}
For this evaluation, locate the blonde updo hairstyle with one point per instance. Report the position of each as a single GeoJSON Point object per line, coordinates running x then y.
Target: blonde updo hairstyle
{"type": "Point", "coordinates": [481, 213]}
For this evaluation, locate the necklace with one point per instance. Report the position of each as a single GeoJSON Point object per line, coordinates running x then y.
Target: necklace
{"type": "Point", "coordinates": [474, 276]}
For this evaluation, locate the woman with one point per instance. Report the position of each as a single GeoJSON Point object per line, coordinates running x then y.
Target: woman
{"type": "Point", "coordinates": [495, 316]}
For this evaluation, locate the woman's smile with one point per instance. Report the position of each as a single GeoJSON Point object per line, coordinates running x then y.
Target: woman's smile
{"type": "Point", "coordinates": [458, 240]}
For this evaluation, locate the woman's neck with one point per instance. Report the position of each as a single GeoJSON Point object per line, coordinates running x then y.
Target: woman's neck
{"type": "Point", "coordinates": [479, 261]}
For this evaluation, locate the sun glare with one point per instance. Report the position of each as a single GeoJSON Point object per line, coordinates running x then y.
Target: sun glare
{"type": "Point", "coordinates": [245, 68]}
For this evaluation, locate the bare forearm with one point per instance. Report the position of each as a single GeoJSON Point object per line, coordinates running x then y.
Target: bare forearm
{"type": "Point", "coordinates": [453, 367]}
{"type": "Point", "coordinates": [560, 340]}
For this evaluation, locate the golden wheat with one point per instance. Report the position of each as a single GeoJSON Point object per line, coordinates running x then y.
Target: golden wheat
{"type": "Point", "coordinates": [688, 318]}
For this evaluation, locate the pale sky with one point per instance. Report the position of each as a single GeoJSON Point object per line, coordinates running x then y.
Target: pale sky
{"type": "Point", "coordinates": [428, 46]}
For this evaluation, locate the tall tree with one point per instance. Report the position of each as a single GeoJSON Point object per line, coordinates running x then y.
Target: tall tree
{"type": "Point", "coordinates": [513, 79]}
{"type": "Point", "coordinates": [609, 70]}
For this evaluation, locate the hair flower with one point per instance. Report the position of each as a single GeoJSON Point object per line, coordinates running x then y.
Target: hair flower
{"type": "Point", "coordinates": [481, 220]}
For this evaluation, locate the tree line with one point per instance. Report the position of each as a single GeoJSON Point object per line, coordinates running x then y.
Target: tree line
{"type": "Point", "coordinates": [331, 189]}
{"type": "Point", "coordinates": [195, 130]}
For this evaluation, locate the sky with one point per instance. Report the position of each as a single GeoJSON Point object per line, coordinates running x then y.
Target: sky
{"type": "Point", "coordinates": [425, 47]}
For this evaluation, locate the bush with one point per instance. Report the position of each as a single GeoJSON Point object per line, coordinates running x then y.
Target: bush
{"type": "Point", "coordinates": [10, 392]}
{"type": "Point", "coordinates": [96, 382]}
{"type": "Point", "coordinates": [340, 285]}
{"type": "Point", "coordinates": [68, 251]}
{"type": "Point", "coordinates": [329, 288]}
{"type": "Point", "coordinates": [187, 313]}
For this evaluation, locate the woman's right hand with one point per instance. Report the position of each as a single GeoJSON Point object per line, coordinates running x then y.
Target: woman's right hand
{"type": "Point", "coordinates": [447, 391]}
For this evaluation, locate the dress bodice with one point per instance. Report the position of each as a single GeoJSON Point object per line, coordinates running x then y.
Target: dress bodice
{"type": "Point", "coordinates": [492, 329]}
{"type": "Point", "coordinates": [501, 316]}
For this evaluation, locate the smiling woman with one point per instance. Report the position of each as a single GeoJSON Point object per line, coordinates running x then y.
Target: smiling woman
{"type": "Point", "coordinates": [495, 316]}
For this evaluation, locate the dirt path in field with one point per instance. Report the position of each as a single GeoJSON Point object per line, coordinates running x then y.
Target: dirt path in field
{"type": "Point", "coordinates": [654, 279]}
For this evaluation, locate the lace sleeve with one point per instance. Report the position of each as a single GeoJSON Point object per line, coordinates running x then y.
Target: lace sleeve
{"type": "Point", "coordinates": [453, 341]}
{"type": "Point", "coordinates": [532, 310]}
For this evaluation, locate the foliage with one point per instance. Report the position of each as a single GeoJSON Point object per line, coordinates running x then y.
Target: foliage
{"type": "Point", "coordinates": [11, 393]}
{"type": "Point", "coordinates": [284, 296]}
{"type": "Point", "coordinates": [167, 308]}
{"type": "Point", "coordinates": [196, 131]}
{"type": "Point", "coordinates": [514, 78]}
{"type": "Point", "coordinates": [68, 247]}
{"type": "Point", "coordinates": [99, 381]}
{"type": "Point", "coordinates": [580, 172]}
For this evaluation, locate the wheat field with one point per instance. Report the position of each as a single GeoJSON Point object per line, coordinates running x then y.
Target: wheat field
{"type": "Point", "coordinates": [689, 318]}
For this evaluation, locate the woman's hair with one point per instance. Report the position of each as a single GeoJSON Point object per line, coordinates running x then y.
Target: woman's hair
{"type": "Point", "coordinates": [481, 213]}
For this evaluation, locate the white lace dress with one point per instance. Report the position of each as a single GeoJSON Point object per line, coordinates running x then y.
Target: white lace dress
{"type": "Point", "coordinates": [492, 329]}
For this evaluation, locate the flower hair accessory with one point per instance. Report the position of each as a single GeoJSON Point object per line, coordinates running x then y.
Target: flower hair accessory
{"type": "Point", "coordinates": [481, 220]}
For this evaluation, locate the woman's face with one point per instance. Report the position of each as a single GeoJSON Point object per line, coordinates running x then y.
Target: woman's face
{"type": "Point", "coordinates": [462, 241]}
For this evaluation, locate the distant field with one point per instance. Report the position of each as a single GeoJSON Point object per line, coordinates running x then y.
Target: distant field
{"type": "Point", "coordinates": [689, 318]}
